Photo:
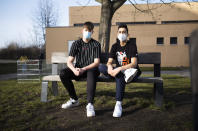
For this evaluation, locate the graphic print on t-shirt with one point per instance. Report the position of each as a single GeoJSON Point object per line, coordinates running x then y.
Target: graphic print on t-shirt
{"type": "Point", "coordinates": [122, 58]}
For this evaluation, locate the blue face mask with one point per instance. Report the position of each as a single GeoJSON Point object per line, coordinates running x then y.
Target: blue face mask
{"type": "Point", "coordinates": [86, 34]}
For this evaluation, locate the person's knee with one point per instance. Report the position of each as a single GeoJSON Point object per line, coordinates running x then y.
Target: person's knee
{"type": "Point", "coordinates": [120, 80]}
{"type": "Point", "coordinates": [93, 73]}
{"type": "Point", "coordinates": [64, 74]}
{"type": "Point", "coordinates": [119, 76]}
{"type": "Point", "coordinates": [102, 68]}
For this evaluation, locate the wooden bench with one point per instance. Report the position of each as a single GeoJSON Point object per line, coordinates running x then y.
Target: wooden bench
{"type": "Point", "coordinates": [144, 58]}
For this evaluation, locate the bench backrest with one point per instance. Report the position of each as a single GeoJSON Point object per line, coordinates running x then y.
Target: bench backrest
{"type": "Point", "coordinates": [151, 58]}
{"type": "Point", "coordinates": [59, 57]}
{"type": "Point", "coordinates": [143, 58]}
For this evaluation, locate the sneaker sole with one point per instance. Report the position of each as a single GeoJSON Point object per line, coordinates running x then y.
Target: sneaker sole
{"type": "Point", "coordinates": [117, 115]}
{"type": "Point", "coordinates": [70, 106]}
{"type": "Point", "coordinates": [91, 115]}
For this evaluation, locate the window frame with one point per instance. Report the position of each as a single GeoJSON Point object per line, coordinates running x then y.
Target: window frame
{"type": "Point", "coordinates": [158, 42]}
{"type": "Point", "coordinates": [187, 38]}
{"type": "Point", "coordinates": [172, 41]}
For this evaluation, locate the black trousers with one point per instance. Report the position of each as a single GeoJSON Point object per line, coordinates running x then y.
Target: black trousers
{"type": "Point", "coordinates": [67, 75]}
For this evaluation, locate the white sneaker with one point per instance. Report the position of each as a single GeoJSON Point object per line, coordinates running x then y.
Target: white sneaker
{"type": "Point", "coordinates": [118, 109]}
{"type": "Point", "coordinates": [90, 110]}
{"type": "Point", "coordinates": [70, 103]}
{"type": "Point", "coordinates": [129, 74]}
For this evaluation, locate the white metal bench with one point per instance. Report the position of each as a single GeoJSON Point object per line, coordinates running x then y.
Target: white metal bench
{"type": "Point", "coordinates": [57, 58]}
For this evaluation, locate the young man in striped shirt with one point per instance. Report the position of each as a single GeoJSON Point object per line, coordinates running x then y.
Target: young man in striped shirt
{"type": "Point", "coordinates": [87, 53]}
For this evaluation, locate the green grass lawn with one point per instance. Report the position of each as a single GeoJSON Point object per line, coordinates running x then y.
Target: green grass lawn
{"type": "Point", "coordinates": [21, 109]}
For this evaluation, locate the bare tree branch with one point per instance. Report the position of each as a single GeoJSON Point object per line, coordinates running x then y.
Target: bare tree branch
{"type": "Point", "coordinates": [117, 4]}
{"type": "Point", "coordinates": [45, 16]}
{"type": "Point", "coordinates": [83, 6]}
{"type": "Point", "coordinates": [144, 11]}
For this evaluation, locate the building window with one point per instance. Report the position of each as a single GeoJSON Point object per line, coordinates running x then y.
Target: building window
{"type": "Point", "coordinates": [160, 40]}
{"type": "Point", "coordinates": [186, 40]}
{"type": "Point", "coordinates": [173, 40]}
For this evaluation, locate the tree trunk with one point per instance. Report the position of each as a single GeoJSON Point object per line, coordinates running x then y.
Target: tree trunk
{"type": "Point", "coordinates": [107, 11]}
{"type": "Point", "coordinates": [105, 25]}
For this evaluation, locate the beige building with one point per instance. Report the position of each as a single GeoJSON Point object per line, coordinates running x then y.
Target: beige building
{"type": "Point", "coordinates": [166, 29]}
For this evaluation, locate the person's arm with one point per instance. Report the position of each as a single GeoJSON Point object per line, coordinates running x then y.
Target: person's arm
{"type": "Point", "coordinates": [110, 66]}
{"type": "Point", "coordinates": [92, 65]}
{"type": "Point", "coordinates": [71, 66]}
{"type": "Point", "coordinates": [114, 72]}
{"type": "Point", "coordinates": [111, 71]}
{"type": "Point", "coordinates": [133, 64]}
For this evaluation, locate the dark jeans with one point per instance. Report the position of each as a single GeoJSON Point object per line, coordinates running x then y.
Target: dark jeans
{"type": "Point", "coordinates": [120, 82]}
{"type": "Point", "coordinates": [67, 75]}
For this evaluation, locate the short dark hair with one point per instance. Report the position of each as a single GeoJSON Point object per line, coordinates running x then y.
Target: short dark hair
{"type": "Point", "coordinates": [89, 25]}
{"type": "Point", "coordinates": [123, 26]}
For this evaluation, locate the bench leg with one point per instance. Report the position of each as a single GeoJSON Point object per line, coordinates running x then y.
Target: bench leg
{"type": "Point", "coordinates": [55, 88]}
{"type": "Point", "coordinates": [44, 91]}
{"type": "Point", "coordinates": [158, 94]}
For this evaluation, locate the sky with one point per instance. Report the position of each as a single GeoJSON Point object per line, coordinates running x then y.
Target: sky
{"type": "Point", "coordinates": [16, 18]}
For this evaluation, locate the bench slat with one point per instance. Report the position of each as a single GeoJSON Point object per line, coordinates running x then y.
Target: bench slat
{"type": "Point", "coordinates": [51, 78]}
{"type": "Point", "coordinates": [139, 80]}
{"type": "Point", "coordinates": [101, 79]}
{"type": "Point", "coordinates": [149, 80]}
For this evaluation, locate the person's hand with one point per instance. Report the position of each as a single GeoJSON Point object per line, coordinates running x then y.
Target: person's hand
{"type": "Point", "coordinates": [82, 70]}
{"type": "Point", "coordinates": [77, 71]}
{"type": "Point", "coordinates": [115, 71]}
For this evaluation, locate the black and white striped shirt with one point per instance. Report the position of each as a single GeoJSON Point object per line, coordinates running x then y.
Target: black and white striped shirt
{"type": "Point", "coordinates": [85, 52]}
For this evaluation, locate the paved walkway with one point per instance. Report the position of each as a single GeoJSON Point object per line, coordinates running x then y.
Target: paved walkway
{"type": "Point", "coordinates": [184, 73]}
{"type": "Point", "coordinates": [8, 76]}
{"type": "Point", "coordinates": [7, 61]}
